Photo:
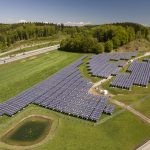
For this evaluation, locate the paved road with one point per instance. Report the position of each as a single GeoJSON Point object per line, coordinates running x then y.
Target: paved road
{"type": "Point", "coordinates": [21, 47]}
{"type": "Point", "coordinates": [5, 60]}
{"type": "Point", "coordinates": [146, 146]}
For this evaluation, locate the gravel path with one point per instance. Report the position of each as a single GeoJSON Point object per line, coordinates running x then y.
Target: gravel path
{"type": "Point", "coordinates": [146, 146]}
{"type": "Point", "coordinates": [132, 110]}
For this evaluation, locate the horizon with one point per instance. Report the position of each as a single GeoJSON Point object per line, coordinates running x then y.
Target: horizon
{"type": "Point", "coordinates": [73, 24]}
{"type": "Point", "coordinates": [75, 12]}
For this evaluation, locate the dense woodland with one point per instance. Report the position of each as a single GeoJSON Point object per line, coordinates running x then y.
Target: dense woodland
{"type": "Point", "coordinates": [97, 38]}
{"type": "Point", "coordinates": [11, 33]}
{"type": "Point", "coordinates": [105, 38]}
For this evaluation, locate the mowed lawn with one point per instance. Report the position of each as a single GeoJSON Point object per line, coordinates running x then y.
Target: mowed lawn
{"type": "Point", "coordinates": [144, 107]}
{"type": "Point", "coordinates": [18, 76]}
{"type": "Point", "coordinates": [122, 132]}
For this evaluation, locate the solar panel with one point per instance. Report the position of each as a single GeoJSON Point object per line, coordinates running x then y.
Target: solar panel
{"type": "Point", "coordinates": [104, 65]}
{"type": "Point", "coordinates": [138, 74]}
{"type": "Point", "coordinates": [66, 91]}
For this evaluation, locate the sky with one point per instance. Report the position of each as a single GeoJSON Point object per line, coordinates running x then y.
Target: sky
{"type": "Point", "coordinates": [75, 11]}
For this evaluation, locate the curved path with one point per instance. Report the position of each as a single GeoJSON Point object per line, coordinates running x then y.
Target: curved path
{"type": "Point", "coordinates": [132, 110]}
{"type": "Point", "coordinates": [146, 146]}
{"type": "Point", "coordinates": [104, 80]}
{"type": "Point", "coordinates": [146, 54]}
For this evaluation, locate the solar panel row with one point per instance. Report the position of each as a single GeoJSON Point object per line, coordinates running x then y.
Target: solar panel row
{"type": "Point", "coordinates": [104, 65]}
{"type": "Point", "coordinates": [139, 74]}
{"type": "Point", "coordinates": [147, 59]}
{"type": "Point", "coordinates": [66, 91]}
{"type": "Point", "coordinates": [109, 109]}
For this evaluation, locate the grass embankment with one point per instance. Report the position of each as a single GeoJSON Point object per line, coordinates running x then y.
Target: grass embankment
{"type": "Point", "coordinates": [123, 132]}
{"type": "Point", "coordinates": [28, 132]}
{"type": "Point", "coordinates": [34, 42]}
{"type": "Point", "coordinates": [30, 48]}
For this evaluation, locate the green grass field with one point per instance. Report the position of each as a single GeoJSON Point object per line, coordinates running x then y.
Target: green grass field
{"type": "Point", "coordinates": [18, 76]}
{"type": "Point", "coordinates": [143, 106]}
{"type": "Point", "coordinates": [121, 132]}
{"type": "Point", "coordinates": [84, 71]}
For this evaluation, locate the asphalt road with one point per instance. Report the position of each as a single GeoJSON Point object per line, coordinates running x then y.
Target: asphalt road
{"type": "Point", "coordinates": [23, 55]}
{"type": "Point", "coordinates": [21, 47]}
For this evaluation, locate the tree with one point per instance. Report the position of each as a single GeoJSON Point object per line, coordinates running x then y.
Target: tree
{"type": "Point", "coordinates": [100, 48]}
{"type": "Point", "coordinates": [116, 42]}
{"type": "Point", "coordinates": [81, 43]}
{"type": "Point", "coordinates": [108, 46]}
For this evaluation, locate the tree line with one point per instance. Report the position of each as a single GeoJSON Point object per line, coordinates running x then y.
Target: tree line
{"type": "Point", "coordinates": [11, 33]}
{"type": "Point", "coordinates": [91, 38]}
{"type": "Point", "coordinates": [104, 38]}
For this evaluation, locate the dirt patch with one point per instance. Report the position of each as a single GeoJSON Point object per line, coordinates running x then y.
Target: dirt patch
{"type": "Point", "coordinates": [93, 91]}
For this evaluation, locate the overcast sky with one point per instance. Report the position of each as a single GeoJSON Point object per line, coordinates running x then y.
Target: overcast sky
{"type": "Point", "coordinates": [87, 11]}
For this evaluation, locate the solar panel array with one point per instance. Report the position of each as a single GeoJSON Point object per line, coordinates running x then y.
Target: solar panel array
{"type": "Point", "coordinates": [138, 74]}
{"type": "Point", "coordinates": [104, 65]}
{"type": "Point", "coordinates": [109, 109]}
{"type": "Point", "coordinates": [66, 91]}
{"type": "Point", "coordinates": [147, 59]}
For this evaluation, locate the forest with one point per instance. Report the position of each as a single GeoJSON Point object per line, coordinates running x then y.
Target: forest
{"type": "Point", "coordinates": [91, 38]}
{"type": "Point", "coordinates": [105, 38]}
{"type": "Point", "coordinates": [12, 33]}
